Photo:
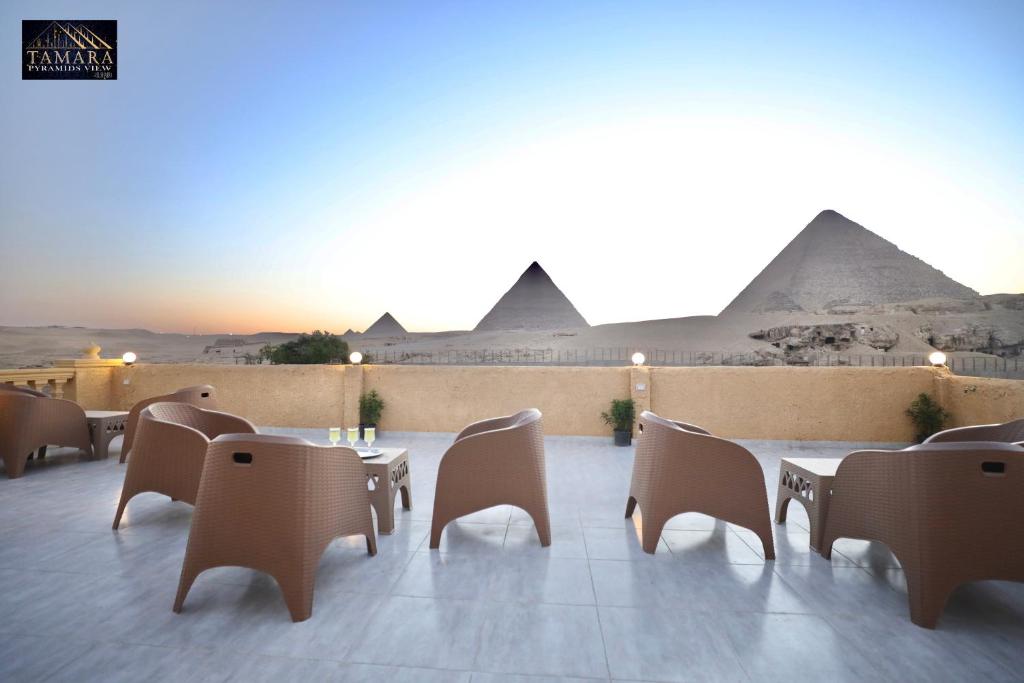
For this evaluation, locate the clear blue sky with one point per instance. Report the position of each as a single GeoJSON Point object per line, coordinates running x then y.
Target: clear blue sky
{"type": "Point", "coordinates": [311, 164]}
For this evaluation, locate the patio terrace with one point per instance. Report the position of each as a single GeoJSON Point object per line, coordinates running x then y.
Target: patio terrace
{"type": "Point", "coordinates": [85, 603]}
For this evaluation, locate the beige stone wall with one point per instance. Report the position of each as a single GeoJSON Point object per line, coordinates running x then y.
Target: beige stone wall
{"type": "Point", "coordinates": [849, 404]}
{"type": "Point", "coordinates": [842, 404]}
{"type": "Point", "coordinates": [974, 400]}
{"type": "Point", "coordinates": [447, 398]}
{"type": "Point", "coordinates": [93, 388]}
{"type": "Point", "coordinates": [278, 395]}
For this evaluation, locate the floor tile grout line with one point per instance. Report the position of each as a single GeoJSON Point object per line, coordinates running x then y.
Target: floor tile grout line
{"type": "Point", "coordinates": [600, 625]}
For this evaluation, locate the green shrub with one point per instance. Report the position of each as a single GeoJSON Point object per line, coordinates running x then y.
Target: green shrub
{"type": "Point", "coordinates": [621, 415]}
{"type": "Point", "coordinates": [309, 349]}
{"type": "Point", "coordinates": [371, 405]}
{"type": "Point", "coordinates": [928, 416]}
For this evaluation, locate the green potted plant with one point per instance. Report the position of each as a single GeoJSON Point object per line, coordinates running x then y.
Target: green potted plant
{"type": "Point", "coordinates": [620, 417]}
{"type": "Point", "coordinates": [927, 415]}
{"type": "Point", "coordinates": [371, 405]}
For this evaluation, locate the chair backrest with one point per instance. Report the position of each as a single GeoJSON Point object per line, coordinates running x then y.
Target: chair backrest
{"type": "Point", "coordinates": [648, 417]}
{"type": "Point", "coordinates": [22, 390]}
{"type": "Point", "coordinates": [15, 409]}
{"type": "Point", "coordinates": [520, 419]}
{"type": "Point", "coordinates": [277, 484]}
{"type": "Point", "coordinates": [954, 502]}
{"type": "Point", "coordinates": [210, 423]}
{"type": "Point", "coordinates": [201, 396]}
{"type": "Point", "coordinates": [1007, 432]}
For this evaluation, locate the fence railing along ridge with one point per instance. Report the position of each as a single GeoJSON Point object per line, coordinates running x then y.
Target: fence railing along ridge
{"type": "Point", "coordinates": [621, 355]}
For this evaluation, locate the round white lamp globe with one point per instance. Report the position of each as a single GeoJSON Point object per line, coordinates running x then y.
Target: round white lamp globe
{"type": "Point", "coordinates": [638, 358]}
{"type": "Point", "coordinates": [937, 358]}
{"type": "Point", "coordinates": [129, 357]}
{"type": "Point", "coordinates": [355, 358]}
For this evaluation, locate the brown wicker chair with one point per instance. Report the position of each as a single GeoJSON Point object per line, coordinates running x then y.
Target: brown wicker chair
{"type": "Point", "coordinates": [170, 450]}
{"type": "Point", "coordinates": [1008, 432]}
{"type": "Point", "coordinates": [28, 423]}
{"type": "Point", "coordinates": [274, 504]}
{"type": "Point", "coordinates": [680, 468]}
{"type": "Point", "coordinates": [201, 396]}
{"type": "Point", "coordinates": [494, 462]}
{"type": "Point", "coordinates": [947, 511]}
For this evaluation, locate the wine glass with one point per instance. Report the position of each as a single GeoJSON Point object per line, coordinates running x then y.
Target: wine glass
{"type": "Point", "coordinates": [334, 435]}
{"type": "Point", "coordinates": [370, 435]}
{"type": "Point", "coordinates": [352, 436]}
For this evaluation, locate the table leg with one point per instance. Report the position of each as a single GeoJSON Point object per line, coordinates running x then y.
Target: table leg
{"type": "Point", "coordinates": [100, 444]}
{"type": "Point", "coordinates": [782, 498]}
{"type": "Point", "coordinates": [818, 513]}
{"type": "Point", "coordinates": [401, 480]}
{"type": "Point", "coordinates": [383, 502]}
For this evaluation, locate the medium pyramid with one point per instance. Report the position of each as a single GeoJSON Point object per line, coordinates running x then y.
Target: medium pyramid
{"type": "Point", "coordinates": [386, 326]}
{"type": "Point", "coordinates": [533, 303]}
{"type": "Point", "coordinates": [835, 262]}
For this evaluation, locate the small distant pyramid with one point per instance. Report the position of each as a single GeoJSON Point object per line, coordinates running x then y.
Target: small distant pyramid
{"type": "Point", "coordinates": [533, 303]}
{"type": "Point", "coordinates": [835, 262]}
{"type": "Point", "coordinates": [386, 326]}
{"type": "Point", "coordinates": [348, 333]}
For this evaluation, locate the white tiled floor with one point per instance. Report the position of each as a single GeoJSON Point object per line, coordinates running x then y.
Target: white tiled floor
{"type": "Point", "coordinates": [81, 602]}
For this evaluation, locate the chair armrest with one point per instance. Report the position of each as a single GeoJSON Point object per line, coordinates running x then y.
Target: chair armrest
{"type": "Point", "coordinates": [218, 423]}
{"type": "Point", "coordinates": [484, 426]}
{"type": "Point", "coordinates": [972, 433]}
{"type": "Point", "coordinates": [691, 428]}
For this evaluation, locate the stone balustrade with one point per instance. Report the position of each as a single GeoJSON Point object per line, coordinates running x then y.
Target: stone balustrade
{"type": "Point", "coordinates": [51, 380]}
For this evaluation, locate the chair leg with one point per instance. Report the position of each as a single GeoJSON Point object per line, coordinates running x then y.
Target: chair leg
{"type": "Point", "coordinates": [371, 542]}
{"type": "Point", "coordinates": [764, 532]}
{"type": "Point", "coordinates": [298, 596]}
{"type": "Point", "coordinates": [543, 525]}
{"type": "Point", "coordinates": [630, 506]}
{"type": "Point", "coordinates": [188, 577]}
{"type": "Point", "coordinates": [650, 533]}
{"type": "Point", "coordinates": [927, 602]}
{"type": "Point", "coordinates": [121, 505]}
{"type": "Point", "coordinates": [436, 527]}
{"type": "Point", "coordinates": [15, 465]}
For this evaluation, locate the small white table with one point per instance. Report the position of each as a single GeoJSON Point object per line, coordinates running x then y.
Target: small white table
{"type": "Point", "coordinates": [809, 481]}
{"type": "Point", "coordinates": [104, 425]}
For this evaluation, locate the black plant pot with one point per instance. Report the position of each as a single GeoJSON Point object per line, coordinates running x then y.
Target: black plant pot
{"type": "Point", "coordinates": [362, 430]}
{"type": "Point", "coordinates": [623, 437]}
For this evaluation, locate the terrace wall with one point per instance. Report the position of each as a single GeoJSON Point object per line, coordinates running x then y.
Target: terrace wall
{"type": "Point", "coordinates": [849, 404]}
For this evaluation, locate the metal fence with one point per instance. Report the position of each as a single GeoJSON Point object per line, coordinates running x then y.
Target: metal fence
{"type": "Point", "coordinates": [981, 366]}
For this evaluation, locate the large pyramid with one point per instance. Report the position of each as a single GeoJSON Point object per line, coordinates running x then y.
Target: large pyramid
{"type": "Point", "coordinates": [386, 326]}
{"type": "Point", "coordinates": [835, 263]}
{"type": "Point", "coordinates": [534, 303]}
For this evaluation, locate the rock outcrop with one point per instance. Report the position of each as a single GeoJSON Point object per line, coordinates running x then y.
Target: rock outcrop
{"type": "Point", "coordinates": [798, 340]}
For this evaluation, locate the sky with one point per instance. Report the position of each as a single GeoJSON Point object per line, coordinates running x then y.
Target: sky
{"type": "Point", "coordinates": [300, 165]}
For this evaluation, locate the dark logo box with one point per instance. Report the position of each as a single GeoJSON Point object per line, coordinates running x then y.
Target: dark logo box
{"type": "Point", "coordinates": [68, 49]}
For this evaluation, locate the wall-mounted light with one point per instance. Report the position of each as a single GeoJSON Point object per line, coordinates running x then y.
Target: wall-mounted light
{"type": "Point", "coordinates": [129, 358]}
{"type": "Point", "coordinates": [638, 358]}
{"type": "Point", "coordinates": [355, 358]}
{"type": "Point", "coordinates": [937, 359]}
